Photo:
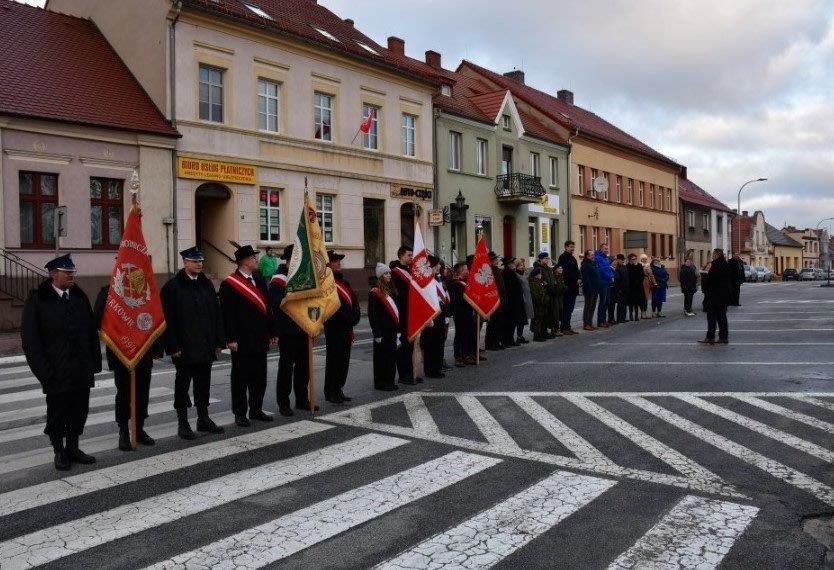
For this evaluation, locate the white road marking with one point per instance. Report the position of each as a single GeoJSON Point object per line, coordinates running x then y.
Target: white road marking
{"type": "Point", "coordinates": [733, 330]}
{"type": "Point", "coordinates": [794, 301]}
{"type": "Point", "coordinates": [786, 320]}
{"type": "Point", "coordinates": [54, 543]}
{"type": "Point", "coordinates": [813, 401]}
{"type": "Point", "coordinates": [696, 533]}
{"type": "Point", "coordinates": [771, 466]}
{"type": "Point", "coordinates": [13, 370]}
{"type": "Point", "coordinates": [788, 413]}
{"type": "Point", "coordinates": [759, 427]}
{"type": "Point", "coordinates": [489, 537]}
{"type": "Point", "coordinates": [496, 435]}
{"type": "Point", "coordinates": [419, 415]}
{"type": "Point", "coordinates": [667, 363]}
{"type": "Point", "coordinates": [84, 483]}
{"type": "Point", "coordinates": [40, 411]}
{"type": "Point", "coordinates": [695, 344]}
{"type": "Point", "coordinates": [273, 541]}
{"type": "Point", "coordinates": [38, 393]}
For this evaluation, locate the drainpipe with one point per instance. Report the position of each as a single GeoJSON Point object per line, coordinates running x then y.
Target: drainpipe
{"type": "Point", "coordinates": [172, 85]}
{"type": "Point", "coordinates": [570, 169]}
{"type": "Point", "coordinates": [435, 200]}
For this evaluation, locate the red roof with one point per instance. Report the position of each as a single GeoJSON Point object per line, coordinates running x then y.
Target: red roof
{"type": "Point", "coordinates": [60, 68]}
{"type": "Point", "coordinates": [300, 18]}
{"type": "Point", "coordinates": [570, 115]}
{"type": "Point", "coordinates": [694, 194]}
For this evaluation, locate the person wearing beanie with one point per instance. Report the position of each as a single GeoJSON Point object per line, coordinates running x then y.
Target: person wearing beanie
{"type": "Point", "coordinates": [384, 318]}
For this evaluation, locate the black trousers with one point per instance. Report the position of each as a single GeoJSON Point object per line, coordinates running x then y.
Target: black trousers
{"type": "Point", "coordinates": [717, 316]}
{"type": "Point", "coordinates": [464, 343]}
{"type": "Point", "coordinates": [66, 413]}
{"type": "Point", "coordinates": [200, 374]}
{"type": "Point", "coordinates": [431, 341]}
{"type": "Point", "coordinates": [292, 369]}
{"type": "Point", "coordinates": [338, 344]}
{"type": "Point", "coordinates": [385, 362]}
{"type": "Point", "coordinates": [495, 329]}
{"type": "Point", "coordinates": [589, 310]}
{"type": "Point", "coordinates": [613, 303]}
{"type": "Point", "coordinates": [621, 307]}
{"type": "Point", "coordinates": [735, 294]}
{"type": "Point", "coordinates": [567, 310]}
{"type": "Point", "coordinates": [687, 301]}
{"type": "Point", "coordinates": [121, 378]}
{"type": "Point", "coordinates": [405, 352]}
{"type": "Point", "coordinates": [248, 375]}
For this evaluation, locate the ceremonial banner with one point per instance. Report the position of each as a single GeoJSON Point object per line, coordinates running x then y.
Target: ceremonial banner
{"type": "Point", "coordinates": [311, 289]}
{"type": "Point", "coordinates": [133, 317]}
{"type": "Point", "coordinates": [481, 291]}
{"type": "Point", "coordinates": [423, 305]}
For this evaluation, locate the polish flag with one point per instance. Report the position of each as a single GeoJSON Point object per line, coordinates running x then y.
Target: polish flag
{"type": "Point", "coordinates": [423, 304]}
{"type": "Point", "coordinates": [365, 127]}
{"type": "Point", "coordinates": [481, 290]}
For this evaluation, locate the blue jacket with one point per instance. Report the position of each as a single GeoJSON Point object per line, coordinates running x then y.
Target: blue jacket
{"type": "Point", "coordinates": [606, 272]}
{"type": "Point", "coordinates": [591, 282]}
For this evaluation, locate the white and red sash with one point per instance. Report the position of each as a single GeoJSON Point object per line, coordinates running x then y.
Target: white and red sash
{"type": "Point", "coordinates": [442, 295]}
{"type": "Point", "coordinates": [344, 294]}
{"type": "Point", "coordinates": [279, 279]}
{"type": "Point", "coordinates": [402, 274]}
{"type": "Point", "coordinates": [249, 291]}
{"type": "Point", "coordinates": [389, 305]}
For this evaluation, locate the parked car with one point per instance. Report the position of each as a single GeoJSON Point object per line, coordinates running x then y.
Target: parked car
{"type": "Point", "coordinates": [819, 273]}
{"type": "Point", "coordinates": [807, 274]}
{"type": "Point", "coordinates": [790, 274]}
{"type": "Point", "coordinates": [763, 274]}
{"type": "Point", "coordinates": [749, 274]}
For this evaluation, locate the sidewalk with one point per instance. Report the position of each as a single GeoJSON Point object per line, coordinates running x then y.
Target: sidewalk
{"type": "Point", "coordinates": [10, 343]}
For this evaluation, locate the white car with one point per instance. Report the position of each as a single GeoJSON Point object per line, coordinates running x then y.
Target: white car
{"type": "Point", "coordinates": [808, 274]}
{"type": "Point", "coordinates": [763, 274]}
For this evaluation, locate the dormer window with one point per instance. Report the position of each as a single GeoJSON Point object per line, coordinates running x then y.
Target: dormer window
{"type": "Point", "coordinates": [505, 122]}
{"type": "Point", "coordinates": [446, 90]}
{"type": "Point", "coordinates": [326, 34]}
{"type": "Point", "coordinates": [368, 48]}
{"type": "Point", "coordinates": [258, 11]}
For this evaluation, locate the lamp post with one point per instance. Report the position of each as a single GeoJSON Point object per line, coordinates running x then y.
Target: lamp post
{"type": "Point", "coordinates": [827, 269]}
{"type": "Point", "coordinates": [738, 212]}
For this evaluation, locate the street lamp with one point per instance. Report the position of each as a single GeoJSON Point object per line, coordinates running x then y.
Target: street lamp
{"type": "Point", "coordinates": [828, 269]}
{"type": "Point", "coordinates": [738, 212]}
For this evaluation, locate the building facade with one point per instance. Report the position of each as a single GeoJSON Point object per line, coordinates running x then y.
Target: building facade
{"type": "Point", "coordinates": [704, 222]}
{"type": "Point", "coordinates": [756, 249]}
{"type": "Point", "coordinates": [269, 101]}
{"type": "Point", "coordinates": [810, 244]}
{"type": "Point", "coordinates": [787, 252]}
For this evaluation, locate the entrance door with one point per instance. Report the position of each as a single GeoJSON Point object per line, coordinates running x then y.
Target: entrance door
{"type": "Point", "coordinates": [554, 236]}
{"type": "Point", "coordinates": [509, 229]}
{"type": "Point", "coordinates": [374, 224]}
{"type": "Point", "coordinates": [532, 249]}
{"type": "Point", "coordinates": [214, 225]}
{"type": "Point", "coordinates": [507, 160]}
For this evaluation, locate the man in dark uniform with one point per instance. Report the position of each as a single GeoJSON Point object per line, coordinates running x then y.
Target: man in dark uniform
{"type": "Point", "coordinates": [247, 323]}
{"type": "Point", "coordinates": [464, 317]}
{"type": "Point", "coordinates": [495, 326]}
{"type": "Point", "coordinates": [338, 335]}
{"type": "Point", "coordinates": [736, 267]}
{"type": "Point", "coordinates": [60, 341]}
{"type": "Point", "coordinates": [193, 337]}
{"type": "Point", "coordinates": [433, 337]}
{"type": "Point", "coordinates": [570, 269]}
{"type": "Point", "coordinates": [293, 343]}
{"type": "Point", "coordinates": [401, 277]}
{"type": "Point", "coordinates": [121, 379]}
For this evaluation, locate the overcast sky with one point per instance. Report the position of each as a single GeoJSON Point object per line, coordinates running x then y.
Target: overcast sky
{"type": "Point", "coordinates": [733, 89]}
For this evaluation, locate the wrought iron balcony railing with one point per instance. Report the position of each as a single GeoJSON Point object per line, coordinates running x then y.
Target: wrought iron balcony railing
{"type": "Point", "coordinates": [517, 187]}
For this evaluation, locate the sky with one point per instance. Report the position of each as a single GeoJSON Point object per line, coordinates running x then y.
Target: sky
{"type": "Point", "coordinates": [733, 89]}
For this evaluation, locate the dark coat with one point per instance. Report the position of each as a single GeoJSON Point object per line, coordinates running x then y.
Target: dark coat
{"type": "Point", "coordinates": [570, 273]}
{"type": "Point", "coordinates": [736, 271]}
{"type": "Point", "coordinates": [194, 319]}
{"type": "Point", "coordinates": [402, 287]}
{"type": "Point", "coordinates": [688, 277]}
{"type": "Point", "coordinates": [282, 324]}
{"type": "Point", "coordinates": [60, 339]}
{"type": "Point", "coordinates": [348, 315]}
{"type": "Point", "coordinates": [717, 287]}
{"type": "Point", "coordinates": [244, 322]}
{"type": "Point", "coordinates": [636, 275]}
{"type": "Point", "coordinates": [591, 282]}
{"type": "Point", "coordinates": [113, 363]}
{"type": "Point", "coordinates": [460, 309]}
{"type": "Point", "coordinates": [515, 311]}
{"type": "Point", "coordinates": [380, 319]}
{"type": "Point", "coordinates": [621, 282]}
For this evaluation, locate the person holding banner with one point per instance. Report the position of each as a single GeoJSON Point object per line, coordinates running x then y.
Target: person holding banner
{"type": "Point", "coordinates": [433, 338]}
{"type": "Point", "coordinates": [194, 338]}
{"type": "Point", "coordinates": [248, 321]}
{"type": "Point", "coordinates": [61, 345]}
{"type": "Point", "coordinates": [401, 278]}
{"type": "Point", "coordinates": [463, 316]}
{"type": "Point", "coordinates": [495, 325]}
{"type": "Point", "coordinates": [384, 319]}
{"type": "Point", "coordinates": [338, 334]}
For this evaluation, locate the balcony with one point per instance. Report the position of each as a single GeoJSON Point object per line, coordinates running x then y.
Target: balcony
{"type": "Point", "coordinates": [520, 188]}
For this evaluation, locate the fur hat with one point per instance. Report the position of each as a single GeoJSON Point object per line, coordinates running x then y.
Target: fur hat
{"type": "Point", "coordinates": [382, 269]}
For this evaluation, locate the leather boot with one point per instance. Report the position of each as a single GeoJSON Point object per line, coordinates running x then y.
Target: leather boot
{"type": "Point", "coordinates": [75, 454]}
{"type": "Point", "coordinates": [205, 423]}
{"type": "Point", "coordinates": [142, 436]}
{"type": "Point", "coordinates": [124, 438]}
{"type": "Point", "coordinates": [184, 429]}
{"type": "Point", "coordinates": [62, 461]}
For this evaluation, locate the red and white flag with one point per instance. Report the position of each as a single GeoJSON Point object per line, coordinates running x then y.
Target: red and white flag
{"type": "Point", "coordinates": [423, 305]}
{"type": "Point", "coordinates": [367, 122]}
{"type": "Point", "coordinates": [481, 290]}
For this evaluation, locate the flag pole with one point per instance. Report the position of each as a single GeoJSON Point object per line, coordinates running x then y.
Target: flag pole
{"type": "Point", "coordinates": [478, 339]}
{"type": "Point", "coordinates": [311, 383]}
{"type": "Point", "coordinates": [134, 200]}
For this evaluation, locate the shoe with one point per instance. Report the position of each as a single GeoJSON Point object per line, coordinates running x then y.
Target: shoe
{"type": "Point", "coordinates": [285, 410]}
{"type": "Point", "coordinates": [407, 381]}
{"type": "Point", "coordinates": [143, 438]}
{"type": "Point", "coordinates": [725, 341]}
{"type": "Point", "coordinates": [438, 375]}
{"type": "Point", "coordinates": [570, 332]}
{"type": "Point", "coordinates": [558, 334]}
{"type": "Point", "coordinates": [587, 328]}
{"type": "Point", "coordinates": [184, 428]}
{"type": "Point", "coordinates": [261, 416]}
{"type": "Point", "coordinates": [460, 362]}
{"type": "Point", "coordinates": [334, 399]}
{"type": "Point", "coordinates": [344, 398]}
{"type": "Point", "coordinates": [470, 361]}
{"type": "Point", "coordinates": [482, 357]}
{"type": "Point", "coordinates": [706, 341]}
{"type": "Point", "coordinates": [538, 338]}
{"type": "Point", "coordinates": [62, 461]}
{"type": "Point", "coordinates": [445, 368]}
{"type": "Point", "coordinates": [206, 424]}
{"type": "Point", "coordinates": [512, 344]}
{"type": "Point", "coordinates": [418, 379]}
{"type": "Point", "coordinates": [522, 340]}
{"type": "Point", "coordinates": [305, 407]}
{"type": "Point", "coordinates": [77, 456]}
{"type": "Point", "coordinates": [124, 440]}
{"type": "Point", "coordinates": [241, 421]}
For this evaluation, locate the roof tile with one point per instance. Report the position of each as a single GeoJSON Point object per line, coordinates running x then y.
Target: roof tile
{"type": "Point", "coordinates": [691, 192]}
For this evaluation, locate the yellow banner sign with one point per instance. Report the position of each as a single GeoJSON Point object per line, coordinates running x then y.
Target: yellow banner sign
{"type": "Point", "coordinates": [199, 169]}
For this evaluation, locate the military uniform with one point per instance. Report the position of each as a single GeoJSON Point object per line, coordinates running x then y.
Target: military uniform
{"type": "Point", "coordinates": [433, 337]}
{"type": "Point", "coordinates": [401, 278]}
{"type": "Point", "coordinates": [495, 326]}
{"type": "Point", "coordinates": [541, 304]}
{"type": "Point", "coordinates": [338, 334]}
{"type": "Point", "coordinates": [463, 316]}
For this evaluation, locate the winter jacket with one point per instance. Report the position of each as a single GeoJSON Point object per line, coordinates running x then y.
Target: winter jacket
{"type": "Point", "coordinates": [245, 322]}
{"type": "Point", "coordinates": [515, 297]}
{"type": "Point", "coordinates": [717, 288]}
{"type": "Point", "coordinates": [193, 317]}
{"type": "Point", "coordinates": [282, 324]}
{"type": "Point", "coordinates": [636, 276]}
{"type": "Point", "coordinates": [606, 272]}
{"type": "Point", "coordinates": [661, 279]}
{"type": "Point", "coordinates": [689, 279]}
{"type": "Point", "coordinates": [621, 282]}
{"type": "Point", "coordinates": [525, 289]}
{"type": "Point", "coordinates": [591, 282]}
{"type": "Point", "coordinates": [348, 315]}
{"type": "Point", "coordinates": [571, 272]}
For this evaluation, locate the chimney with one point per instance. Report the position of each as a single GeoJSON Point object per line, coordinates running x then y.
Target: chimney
{"type": "Point", "coordinates": [565, 96]}
{"type": "Point", "coordinates": [515, 75]}
{"type": "Point", "coordinates": [433, 59]}
{"type": "Point", "coordinates": [349, 22]}
{"type": "Point", "coordinates": [744, 213]}
{"type": "Point", "coordinates": [396, 45]}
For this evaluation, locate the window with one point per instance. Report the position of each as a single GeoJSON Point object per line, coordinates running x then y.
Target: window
{"type": "Point", "coordinates": [326, 34]}
{"type": "Point", "coordinates": [607, 178]}
{"type": "Point", "coordinates": [594, 174]}
{"type": "Point", "coordinates": [554, 171]}
{"type": "Point", "coordinates": [535, 164]}
{"type": "Point", "coordinates": [705, 219]}
{"type": "Point", "coordinates": [651, 195]}
{"type": "Point", "coordinates": [323, 116]}
{"type": "Point", "coordinates": [719, 225]}
{"type": "Point", "coordinates": [690, 219]}
{"type": "Point", "coordinates": [270, 214]}
{"type": "Point", "coordinates": [370, 140]}
{"type": "Point", "coordinates": [366, 47]}
{"type": "Point", "coordinates": [324, 213]}
{"type": "Point", "coordinates": [581, 171]}
{"type": "Point", "coordinates": [267, 105]}
{"type": "Point", "coordinates": [505, 121]}
{"type": "Point", "coordinates": [481, 155]}
{"type": "Point", "coordinates": [409, 135]}
{"type": "Point", "coordinates": [659, 204]}
{"type": "Point", "coordinates": [211, 94]}
{"type": "Point", "coordinates": [454, 150]}
{"type": "Point", "coordinates": [669, 200]}
{"type": "Point", "coordinates": [594, 244]}
{"type": "Point", "coordinates": [619, 188]}
{"type": "Point", "coordinates": [582, 230]}
{"type": "Point", "coordinates": [607, 236]}
{"type": "Point", "coordinates": [106, 204]}
{"type": "Point", "coordinates": [446, 90]}
{"type": "Point", "coordinates": [630, 191]}
{"type": "Point", "coordinates": [38, 198]}
{"type": "Point", "coordinates": [640, 193]}
{"type": "Point", "coordinates": [662, 240]}
{"type": "Point", "coordinates": [258, 11]}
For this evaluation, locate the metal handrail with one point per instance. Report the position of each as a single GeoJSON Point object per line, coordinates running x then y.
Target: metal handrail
{"type": "Point", "coordinates": [518, 185]}
{"type": "Point", "coordinates": [218, 250]}
{"type": "Point", "coordinates": [18, 277]}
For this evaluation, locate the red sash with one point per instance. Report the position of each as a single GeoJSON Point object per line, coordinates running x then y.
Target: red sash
{"type": "Point", "coordinates": [389, 305]}
{"type": "Point", "coordinates": [402, 274]}
{"type": "Point", "coordinates": [250, 292]}
{"type": "Point", "coordinates": [442, 296]}
{"type": "Point", "coordinates": [344, 294]}
{"type": "Point", "coordinates": [279, 279]}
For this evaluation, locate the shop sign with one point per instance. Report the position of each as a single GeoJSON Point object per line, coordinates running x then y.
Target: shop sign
{"type": "Point", "coordinates": [547, 204]}
{"type": "Point", "coordinates": [406, 193]}
{"type": "Point", "coordinates": [435, 217]}
{"type": "Point", "coordinates": [217, 170]}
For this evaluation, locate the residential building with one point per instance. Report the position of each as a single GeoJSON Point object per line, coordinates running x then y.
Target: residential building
{"type": "Point", "coordinates": [74, 125]}
{"type": "Point", "coordinates": [639, 211]}
{"type": "Point", "coordinates": [756, 248]}
{"type": "Point", "coordinates": [787, 252]}
{"type": "Point", "coordinates": [704, 222]}
{"type": "Point", "coordinates": [810, 244]}
{"type": "Point", "coordinates": [269, 97]}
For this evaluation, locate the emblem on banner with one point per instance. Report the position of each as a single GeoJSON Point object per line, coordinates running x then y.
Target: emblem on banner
{"type": "Point", "coordinates": [484, 276]}
{"type": "Point", "coordinates": [131, 284]}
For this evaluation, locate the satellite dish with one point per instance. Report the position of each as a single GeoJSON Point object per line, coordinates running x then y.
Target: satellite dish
{"type": "Point", "coordinates": [601, 185]}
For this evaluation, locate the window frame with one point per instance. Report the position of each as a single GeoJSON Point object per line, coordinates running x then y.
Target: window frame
{"type": "Point", "coordinates": [321, 213]}
{"type": "Point", "coordinates": [651, 196]}
{"type": "Point", "coordinates": [594, 174]}
{"type": "Point", "coordinates": [506, 122]}
{"type": "Point", "coordinates": [319, 108]}
{"type": "Point", "coordinates": [269, 208]}
{"type": "Point", "coordinates": [373, 135]}
{"type": "Point", "coordinates": [581, 179]}
{"type": "Point", "coordinates": [582, 231]}
{"type": "Point", "coordinates": [406, 129]}
{"type": "Point", "coordinates": [535, 164]}
{"type": "Point", "coordinates": [267, 97]}
{"type": "Point", "coordinates": [607, 177]}
{"type": "Point", "coordinates": [209, 102]}
{"type": "Point", "coordinates": [630, 192]}
{"type": "Point", "coordinates": [705, 217]}
{"type": "Point", "coordinates": [37, 199]}
{"type": "Point", "coordinates": [455, 151]}
{"type": "Point", "coordinates": [690, 219]}
{"type": "Point", "coordinates": [481, 153]}
{"type": "Point", "coordinates": [669, 207]}
{"type": "Point", "coordinates": [554, 171]}
{"type": "Point", "coordinates": [618, 181]}
{"type": "Point", "coordinates": [106, 204]}
{"type": "Point", "coordinates": [641, 193]}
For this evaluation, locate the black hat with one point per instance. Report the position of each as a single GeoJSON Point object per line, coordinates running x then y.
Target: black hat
{"type": "Point", "coordinates": [543, 255]}
{"type": "Point", "coordinates": [332, 255]}
{"type": "Point", "coordinates": [287, 253]}
{"type": "Point", "coordinates": [469, 259]}
{"type": "Point", "coordinates": [535, 272]}
{"type": "Point", "coordinates": [621, 257]}
{"type": "Point", "coordinates": [492, 255]}
{"type": "Point", "coordinates": [243, 252]}
{"type": "Point", "coordinates": [433, 260]}
{"type": "Point", "coordinates": [507, 259]}
{"type": "Point", "coordinates": [62, 263]}
{"type": "Point", "coordinates": [193, 254]}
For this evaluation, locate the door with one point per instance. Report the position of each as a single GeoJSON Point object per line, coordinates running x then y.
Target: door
{"type": "Point", "coordinates": [532, 249]}
{"type": "Point", "coordinates": [554, 236]}
{"type": "Point", "coordinates": [507, 160]}
{"type": "Point", "coordinates": [509, 230]}
{"type": "Point", "coordinates": [374, 224]}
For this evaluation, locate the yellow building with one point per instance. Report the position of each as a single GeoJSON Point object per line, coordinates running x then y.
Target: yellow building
{"type": "Point", "coordinates": [787, 252]}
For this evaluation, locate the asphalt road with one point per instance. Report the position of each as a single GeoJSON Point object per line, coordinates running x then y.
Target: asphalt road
{"type": "Point", "coordinates": [629, 448]}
